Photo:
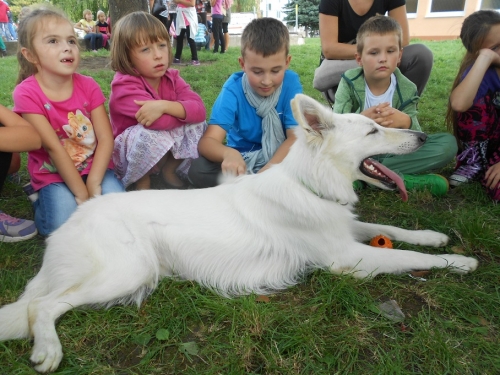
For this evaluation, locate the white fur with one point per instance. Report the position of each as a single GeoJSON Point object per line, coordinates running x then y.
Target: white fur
{"type": "Point", "coordinates": [257, 233]}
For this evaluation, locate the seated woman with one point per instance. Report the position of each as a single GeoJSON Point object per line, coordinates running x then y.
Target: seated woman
{"type": "Point", "coordinates": [91, 34]}
{"type": "Point", "coordinates": [339, 21]}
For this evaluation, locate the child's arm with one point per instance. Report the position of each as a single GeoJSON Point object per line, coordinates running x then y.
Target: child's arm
{"type": "Point", "coordinates": [103, 151]}
{"type": "Point", "coordinates": [344, 98]}
{"type": "Point", "coordinates": [462, 97]}
{"type": "Point", "coordinates": [129, 93]}
{"type": "Point", "coordinates": [79, 26]}
{"type": "Point", "coordinates": [62, 161]}
{"type": "Point", "coordinates": [18, 135]}
{"type": "Point", "coordinates": [152, 110]}
{"type": "Point", "coordinates": [282, 151]}
{"type": "Point", "coordinates": [210, 146]}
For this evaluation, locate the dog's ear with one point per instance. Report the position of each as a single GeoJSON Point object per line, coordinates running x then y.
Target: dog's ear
{"type": "Point", "coordinates": [310, 114]}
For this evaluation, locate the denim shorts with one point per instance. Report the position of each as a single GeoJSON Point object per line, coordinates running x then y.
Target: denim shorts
{"type": "Point", "coordinates": [56, 202]}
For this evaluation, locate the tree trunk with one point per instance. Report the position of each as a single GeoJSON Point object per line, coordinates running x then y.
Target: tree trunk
{"type": "Point", "coordinates": [119, 8]}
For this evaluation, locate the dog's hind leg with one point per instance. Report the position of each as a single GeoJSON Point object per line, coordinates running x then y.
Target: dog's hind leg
{"type": "Point", "coordinates": [367, 261]}
{"type": "Point", "coordinates": [100, 287]}
{"type": "Point", "coordinates": [366, 231]}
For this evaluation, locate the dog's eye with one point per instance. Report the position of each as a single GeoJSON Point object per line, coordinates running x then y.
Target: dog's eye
{"type": "Point", "coordinates": [373, 131]}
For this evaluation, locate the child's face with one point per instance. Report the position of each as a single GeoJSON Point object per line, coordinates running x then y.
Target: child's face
{"type": "Point", "coordinates": [56, 49]}
{"type": "Point", "coordinates": [101, 17]}
{"type": "Point", "coordinates": [151, 60]}
{"type": "Point", "coordinates": [380, 56]}
{"type": "Point", "coordinates": [89, 16]}
{"type": "Point", "coordinates": [492, 40]}
{"type": "Point", "coordinates": [265, 74]}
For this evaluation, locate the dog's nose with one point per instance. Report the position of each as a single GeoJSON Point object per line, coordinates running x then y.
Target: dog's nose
{"type": "Point", "coordinates": [422, 137]}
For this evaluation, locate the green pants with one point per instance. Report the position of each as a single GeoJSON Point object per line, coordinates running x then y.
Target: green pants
{"type": "Point", "coordinates": [438, 150]}
{"type": "Point", "coordinates": [2, 44]}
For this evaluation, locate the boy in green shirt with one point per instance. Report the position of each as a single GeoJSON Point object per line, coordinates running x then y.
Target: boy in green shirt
{"type": "Point", "coordinates": [378, 90]}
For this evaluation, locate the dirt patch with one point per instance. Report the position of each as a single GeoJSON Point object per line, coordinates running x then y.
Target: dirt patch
{"type": "Point", "coordinates": [95, 63]}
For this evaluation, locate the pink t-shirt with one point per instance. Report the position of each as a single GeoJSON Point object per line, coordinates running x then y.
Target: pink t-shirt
{"type": "Point", "coordinates": [69, 118]}
{"type": "Point", "coordinates": [126, 88]}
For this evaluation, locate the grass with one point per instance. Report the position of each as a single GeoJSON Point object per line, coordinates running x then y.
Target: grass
{"type": "Point", "coordinates": [326, 324]}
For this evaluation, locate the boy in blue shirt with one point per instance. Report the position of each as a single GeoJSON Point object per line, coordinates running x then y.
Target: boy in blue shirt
{"type": "Point", "coordinates": [253, 111]}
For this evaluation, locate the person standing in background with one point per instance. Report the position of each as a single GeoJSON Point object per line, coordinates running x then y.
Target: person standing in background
{"type": "Point", "coordinates": [227, 4]}
{"type": "Point", "coordinates": [4, 19]}
{"type": "Point", "coordinates": [217, 18]}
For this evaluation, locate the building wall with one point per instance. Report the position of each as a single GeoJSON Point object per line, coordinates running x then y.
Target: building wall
{"type": "Point", "coordinates": [425, 24]}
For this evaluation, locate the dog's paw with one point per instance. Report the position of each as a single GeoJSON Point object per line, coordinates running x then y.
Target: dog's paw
{"type": "Point", "coordinates": [432, 238]}
{"type": "Point", "coordinates": [459, 263]}
{"type": "Point", "coordinates": [46, 355]}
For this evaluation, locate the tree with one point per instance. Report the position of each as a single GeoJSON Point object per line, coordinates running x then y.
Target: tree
{"type": "Point", "coordinates": [120, 8]}
{"type": "Point", "coordinates": [243, 6]}
{"type": "Point", "coordinates": [16, 6]}
{"type": "Point", "coordinates": [308, 11]}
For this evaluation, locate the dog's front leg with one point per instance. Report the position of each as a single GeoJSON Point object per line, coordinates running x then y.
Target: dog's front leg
{"type": "Point", "coordinates": [366, 231]}
{"type": "Point", "coordinates": [366, 261]}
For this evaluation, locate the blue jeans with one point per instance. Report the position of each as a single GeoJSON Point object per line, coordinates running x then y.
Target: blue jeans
{"type": "Point", "coordinates": [56, 202]}
{"type": "Point", "coordinates": [12, 31]}
{"type": "Point", "coordinates": [93, 37]}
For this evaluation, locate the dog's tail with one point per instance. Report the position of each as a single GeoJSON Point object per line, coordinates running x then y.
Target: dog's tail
{"type": "Point", "coordinates": [14, 321]}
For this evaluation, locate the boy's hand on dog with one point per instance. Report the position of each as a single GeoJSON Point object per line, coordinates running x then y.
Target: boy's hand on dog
{"type": "Point", "coordinates": [386, 116]}
{"type": "Point", "coordinates": [233, 163]}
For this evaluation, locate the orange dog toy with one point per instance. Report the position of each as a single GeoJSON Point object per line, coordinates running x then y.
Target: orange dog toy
{"type": "Point", "coordinates": [381, 241]}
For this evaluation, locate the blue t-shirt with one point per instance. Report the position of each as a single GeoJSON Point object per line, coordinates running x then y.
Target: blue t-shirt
{"type": "Point", "coordinates": [200, 35]}
{"type": "Point", "coordinates": [239, 119]}
{"type": "Point", "coordinates": [490, 83]}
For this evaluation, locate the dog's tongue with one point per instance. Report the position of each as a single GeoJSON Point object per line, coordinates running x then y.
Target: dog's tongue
{"type": "Point", "coordinates": [394, 177]}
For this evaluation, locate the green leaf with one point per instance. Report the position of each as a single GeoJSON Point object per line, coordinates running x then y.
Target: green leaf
{"type": "Point", "coordinates": [142, 339]}
{"type": "Point", "coordinates": [162, 334]}
{"type": "Point", "coordinates": [189, 348]}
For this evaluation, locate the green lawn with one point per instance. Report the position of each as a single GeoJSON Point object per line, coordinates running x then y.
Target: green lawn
{"type": "Point", "coordinates": [325, 325]}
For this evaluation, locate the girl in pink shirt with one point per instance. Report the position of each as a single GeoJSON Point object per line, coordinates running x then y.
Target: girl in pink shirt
{"type": "Point", "coordinates": [157, 119]}
{"type": "Point", "coordinates": [67, 109]}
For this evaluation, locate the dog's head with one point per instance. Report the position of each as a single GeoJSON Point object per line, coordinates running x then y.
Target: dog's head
{"type": "Point", "coordinates": [344, 144]}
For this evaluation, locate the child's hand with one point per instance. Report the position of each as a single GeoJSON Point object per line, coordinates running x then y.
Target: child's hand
{"type": "Point", "coordinates": [490, 54]}
{"type": "Point", "coordinates": [81, 198]}
{"type": "Point", "coordinates": [380, 114]}
{"type": "Point", "coordinates": [492, 176]}
{"type": "Point", "coordinates": [94, 190]}
{"type": "Point", "coordinates": [151, 110]}
{"type": "Point", "coordinates": [233, 163]}
{"type": "Point", "coordinates": [397, 120]}
{"type": "Point", "coordinates": [386, 116]}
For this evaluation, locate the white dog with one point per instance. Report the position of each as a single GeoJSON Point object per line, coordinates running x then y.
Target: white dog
{"type": "Point", "coordinates": [258, 233]}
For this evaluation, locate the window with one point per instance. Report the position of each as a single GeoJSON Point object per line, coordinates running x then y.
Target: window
{"type": "Point", "coordinates": [411, 8]}
{"type": "Point", "coordinates": [490, 4]}
{"type": "Point", "coordinates": [446, 8]}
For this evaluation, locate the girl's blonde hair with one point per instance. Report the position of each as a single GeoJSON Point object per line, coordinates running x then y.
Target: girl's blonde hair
{"type": "Point", "coordinates": [29, 26]}
{"type": "Point", "coordinates": [86, 11]}
{"type": "Point", "coordinates": [135, 29]}
{"type": "Point", "coordinates": [474, 31]}
{"type": "Point", "coordinates": [99, 13]}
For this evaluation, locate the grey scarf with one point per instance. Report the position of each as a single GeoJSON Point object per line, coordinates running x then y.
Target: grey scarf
{"type": "Point", "coordinates": [272, 129]}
